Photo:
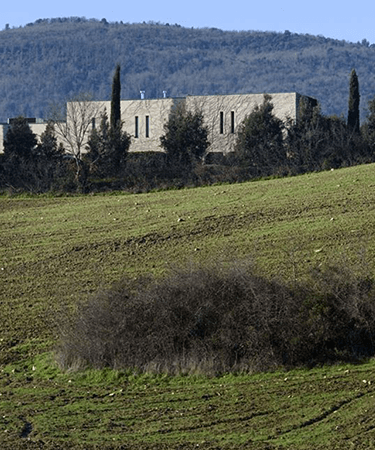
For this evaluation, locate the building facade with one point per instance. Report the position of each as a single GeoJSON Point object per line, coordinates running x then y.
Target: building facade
{"type": "Point", "coordinates": [144, 119]}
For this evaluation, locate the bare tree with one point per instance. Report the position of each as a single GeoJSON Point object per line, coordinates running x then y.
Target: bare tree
{"type": "Point", "coordinates": [73, 123]}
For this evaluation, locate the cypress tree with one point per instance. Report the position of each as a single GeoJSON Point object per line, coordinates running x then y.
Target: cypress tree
{"type": "Point", "coordinates": [353, 110]}
{"type": "Point", "coordinates": [116, 99]}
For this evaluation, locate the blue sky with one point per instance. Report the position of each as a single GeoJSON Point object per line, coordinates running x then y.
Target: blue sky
{"type": "Point", "coordinates": [352, 21]}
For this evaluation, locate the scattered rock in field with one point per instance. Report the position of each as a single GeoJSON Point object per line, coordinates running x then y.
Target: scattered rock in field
{"type": "Point", "coordinates": [180, 219]}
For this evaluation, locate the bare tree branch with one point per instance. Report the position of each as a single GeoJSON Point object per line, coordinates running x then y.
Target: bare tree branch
{"type": "Point", "coordinates": [73, 122]}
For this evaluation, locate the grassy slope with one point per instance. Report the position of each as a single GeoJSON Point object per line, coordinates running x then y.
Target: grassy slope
{"type": "Point", "coordinates": [55, 250]}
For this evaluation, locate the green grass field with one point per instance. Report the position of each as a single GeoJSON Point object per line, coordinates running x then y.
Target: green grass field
{"type": "Point", "coordinates": [57, 250]}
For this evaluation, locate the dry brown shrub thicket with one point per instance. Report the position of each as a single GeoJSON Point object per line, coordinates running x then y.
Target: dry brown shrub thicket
{"type": "Point", "coordinates": [220, 319]}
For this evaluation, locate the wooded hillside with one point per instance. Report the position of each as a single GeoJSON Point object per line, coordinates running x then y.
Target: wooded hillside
{"type": "Point", "coordinates": [52, 59]}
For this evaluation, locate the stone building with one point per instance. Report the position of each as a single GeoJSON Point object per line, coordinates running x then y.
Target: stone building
{"type": "Point", "coordinates": [144, 119]}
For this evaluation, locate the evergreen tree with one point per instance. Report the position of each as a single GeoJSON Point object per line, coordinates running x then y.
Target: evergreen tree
{"type": "Point", "coordinates": [109, 145]}
{"type": "Point", "coordinates": [20, 142]}
{"type": "Point", "coordinates": [108, 148]}
{"type": "Point", "coordinates": [19, 154]}
{"type": "Point", "coordinates": [117, 150]}
{"type": "Point", "coordinates": [49, 166]}
{"type": "Point", "coordinates": [32, 166]}
{"type": "Point", "coordinates": [116, 99]}
{"type": "Point", "coordinates": [48, 147]}
{"type": "Point", "coordinates": [368, 129]}
{"type": "Point", "coordinates": [317, 142]}
{"type": "Point", "coordinates": [353, 109]}
{"type": "Point", "coordinates": [97, 143]}
{"type": "Point", "coordinates": [185, 140]}
{"type": "Point", "coordinates": [259, 144]}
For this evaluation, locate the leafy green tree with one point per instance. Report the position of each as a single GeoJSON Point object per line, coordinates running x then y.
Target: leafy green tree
{"type": "Point", "coordinates": [259, 145]}
{"type": "Point", "coordinates": [116, 99]}
{"type": "Point", "coordinates": [185, 138]}
{"type": "Point", "coordinates": [353, 109]}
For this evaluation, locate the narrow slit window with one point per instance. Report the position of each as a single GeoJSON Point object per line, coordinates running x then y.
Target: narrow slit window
{"type": "Point", "coordinates": [147, 126]}
{"type": "Point", "coordinates": [136, 134]}
{"type": "Point", "coordinates": [93, 124]}
{"type": "Point", "coordinates": [232, 122]}
{"type": "Point", "coordinates": [221, 122]}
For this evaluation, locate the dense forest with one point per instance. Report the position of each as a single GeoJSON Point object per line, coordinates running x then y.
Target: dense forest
{"type": "Point", "coordinates": [51, 60]}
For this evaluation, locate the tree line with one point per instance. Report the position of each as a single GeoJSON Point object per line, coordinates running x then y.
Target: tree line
{"type": "Point", "coordinates": [51, 60]}
{"type": "Point", "coordinates": [265, 146]}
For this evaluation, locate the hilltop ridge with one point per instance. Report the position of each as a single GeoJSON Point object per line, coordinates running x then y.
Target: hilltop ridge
{"type": "Point", "coordinates": [52, 59]}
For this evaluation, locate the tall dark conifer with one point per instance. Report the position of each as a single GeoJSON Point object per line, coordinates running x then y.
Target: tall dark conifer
{"type": "Point", "coordinates": [116, 99]}
{"type": "Point", "coordinates": [353, 110]}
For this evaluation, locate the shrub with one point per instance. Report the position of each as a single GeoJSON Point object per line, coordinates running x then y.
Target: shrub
{"type": "Point", "coordinates": [221, 318]}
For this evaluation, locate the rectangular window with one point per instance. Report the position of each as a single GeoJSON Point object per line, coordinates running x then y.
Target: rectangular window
{"type": "Point", "coordinates": [232, 122]}
{"type": "Point", "coordinates": [221, 122]}
{"type": "Point", "coordinates": [136, 127]}
{"type": "Point", "coordinates": [93, 125]}
{"type": "Point", "coordinates": [147, 126]}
